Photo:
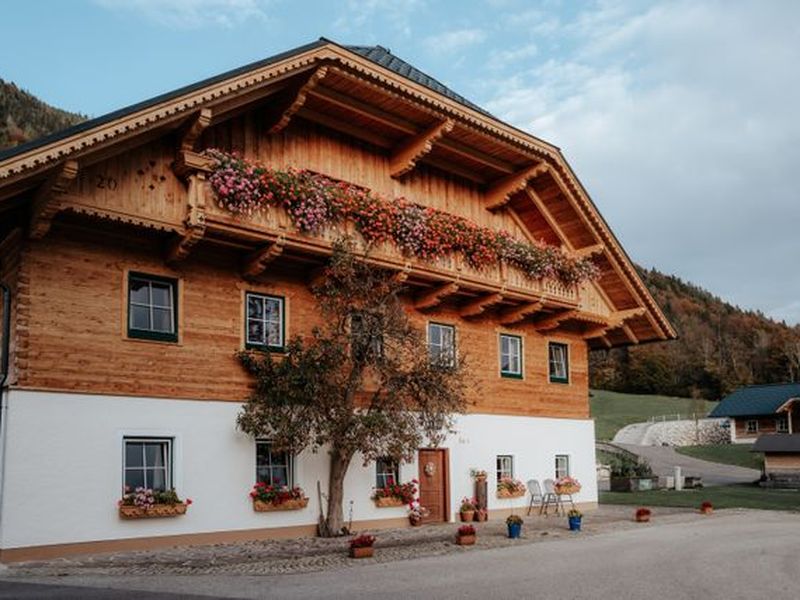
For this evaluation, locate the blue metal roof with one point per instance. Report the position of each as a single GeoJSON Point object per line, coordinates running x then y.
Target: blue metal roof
{"type": "Point", "coordinates": [756, 400]}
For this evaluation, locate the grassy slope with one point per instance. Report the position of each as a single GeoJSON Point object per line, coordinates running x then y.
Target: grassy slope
{"type": "Point", "coordinates": [612, 410]}
{"type": "Point", "coordinates": [733, 454]}
{"type": "Point", "coordinates": [728, 496]}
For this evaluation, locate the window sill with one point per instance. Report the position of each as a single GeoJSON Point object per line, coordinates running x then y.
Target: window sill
{"type": "Point", "coordinates": [152, 336]}
{"type": "Point", "coordinates": [511, 375]}
{"type": "Point", "coordinates": [559, 381]}
{"type": "Point", "coordinates": [262, 348]}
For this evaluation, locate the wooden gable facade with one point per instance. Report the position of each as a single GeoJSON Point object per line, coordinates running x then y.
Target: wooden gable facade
{"type": "Point", "coordinates": [128, 193]}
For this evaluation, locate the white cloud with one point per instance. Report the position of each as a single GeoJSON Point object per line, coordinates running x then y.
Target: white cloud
{"type": "Point", "coordinates": [450, 42]}
{"type": "Point", "coordinates": [360, 16]}
{"type": "Point", "coordinates": [191, 14]}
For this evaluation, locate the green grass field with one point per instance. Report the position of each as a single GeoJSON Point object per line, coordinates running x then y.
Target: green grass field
{"type": "Point", "coordinates": [613, 410]}
{"type": "Point", "coordinates": [732, 454]}
{"type": "Point", "coordinates": [727, 496]}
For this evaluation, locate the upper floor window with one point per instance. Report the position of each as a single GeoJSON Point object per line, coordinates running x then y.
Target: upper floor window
{"type": "Point", "coordinates": [559, 362]}
{"type": "Point", "coordinates": [265, 321]}
{"type": "Point", "coordinates": [147, 463]}
{"type": "Point", "coordinates": [510, 355]}
{"type": "Point", "coordinates": [152, 307]}
{"type": "Point", "coordinates": [387, 472]}
{"type": "Point", "coordinates": [442, 344]}
{"type": "Point", "coordinates": [751, 426]}
{"type": "Point", "coordinates": [273, 467]}
{"type": "Point", "coordinates": [505, 467]}
{"type": "Point", "coordinates": [782, 424]}
{"type": "Point", "coordinates": [366, 336]}
{"type": "Point", "coordinates": [562, 466]}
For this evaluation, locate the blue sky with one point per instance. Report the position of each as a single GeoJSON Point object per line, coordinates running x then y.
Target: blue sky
{"type": "Point", "coordinates": [681, 118]}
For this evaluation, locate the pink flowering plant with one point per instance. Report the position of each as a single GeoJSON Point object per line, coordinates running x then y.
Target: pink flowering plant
{"type": "Point", "coordinates": [146, 498]}
{"type": "Point", "coordinates": [275, 494]}
{"type": "Point", "coordinates": [314, 202]}
{"type": "Point", "coordinates": [406, 492]}
{"type": "Point", "coordinates": [511, 486]}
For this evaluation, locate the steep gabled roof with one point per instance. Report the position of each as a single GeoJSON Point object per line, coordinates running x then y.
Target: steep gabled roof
{"type": "Point", "coordinates": [756, 400]}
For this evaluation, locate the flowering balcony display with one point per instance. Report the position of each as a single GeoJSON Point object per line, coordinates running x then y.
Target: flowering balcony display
{"type": "Point", "coordinates": [396, 494]}
{"type": "Point", "coordinates": [267, 498]}
{"type": "Point", "coordinates": [144, 503]}
{"type": "Point", "coordinates": [314, 202]}
{"type": "Point", "coordinates": [567, 485]}
{"type": "Point", "coordinates": [508, 487]}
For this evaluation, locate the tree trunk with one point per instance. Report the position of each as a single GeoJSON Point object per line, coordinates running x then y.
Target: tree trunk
{"type": "Point", "coordinates": [334, 521]}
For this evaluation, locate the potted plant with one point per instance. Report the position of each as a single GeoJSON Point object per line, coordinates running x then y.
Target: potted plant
{"type": "Point", "coordinates": [514, 524]}
{"type": "Point", "coordinates": [642, 515]}
{"type": "Point", "coordinates": [481, 515]}
{"type": "Point", "coordinates": [145, 503]}
{"type": "Point", "coordinates": [467, 509]}
{"type": "Point", "coordinates": [465, 535]}
{"type": "Point", "coordinates": [416, 513]}
{"type": "Point", "coordinates": [574, 516]}
{"type": "Point", "coordinates": [706, 507]}
{"type": "Point", "coordinates": [508, 487]}
{"type": "Point", "coordinates": [567, 485]}
{"type": "Point", "coordinates": [395, 494]}
{"type": "Point", "coordinates": [362, 546]}
{"type": "Point", "coordinates": [267, 498]}
{"type": "Point", "coordinates": [630, 474]}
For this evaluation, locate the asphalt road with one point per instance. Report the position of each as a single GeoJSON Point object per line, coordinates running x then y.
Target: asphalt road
{"type": "Point", "coordinates": [728, 556]}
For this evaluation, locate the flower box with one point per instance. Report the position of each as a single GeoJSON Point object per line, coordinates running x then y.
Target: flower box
{"type": "Point", "coordinates": [362, 552]}
{"type": "Point", "coordinates": [294, 504]}
{"type": "Point", "coordinates": [567, 489]}
{"type": "Point", "coordinates": [388, 501]}
{"type": "Point", "coordinates": [465, 540]}
{"type": "Point", "coordinates": [154, 511]}
{"type": "Point", "coordinates": [506, 493]}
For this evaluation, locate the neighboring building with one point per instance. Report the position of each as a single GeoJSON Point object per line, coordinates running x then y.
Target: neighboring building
{"type": "Point", "coordinates": [133, 288]}
{"type": "Point", "coordinates": [758, 409]}
{"type": "Point", "coordinates": [781, 459]}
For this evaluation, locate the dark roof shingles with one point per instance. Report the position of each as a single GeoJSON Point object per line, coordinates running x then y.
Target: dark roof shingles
{"type": "Point", "coordinates": [756, 400]}
{"type": "Point", "coordinates": [778, 442]}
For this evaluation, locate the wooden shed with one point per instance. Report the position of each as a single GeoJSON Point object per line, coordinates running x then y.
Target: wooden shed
{"type": "Point", "coordinates": [781, 459]}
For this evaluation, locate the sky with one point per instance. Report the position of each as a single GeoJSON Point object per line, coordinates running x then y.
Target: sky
{"type": "Point", "coordinates": [681, 118]}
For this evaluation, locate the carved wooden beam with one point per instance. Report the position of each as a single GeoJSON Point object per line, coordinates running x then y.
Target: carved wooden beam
{"type": "Point", "coordinates": [187, 161]}
{"type": "Point", "coordinates": [401, 276]}
{"type": "Point", "coordinates": [285, 116]}
{"type": "Point", "coordinates": [520, 313]}
{"type": "Point", "coordinates": [619, 318]}
{"type": "Point", "coordinates": [435, 296]}
{"type": "Point", "coordinates": [549, 218]}
{"type": "Point", "coordinates": [555, 320]}
{"type": "Point", "coordinates": [316, 277]}
{"type": "Point", "coordinates": [604, 341]}
{"type": "Point", "coordinates": [595, 332]}
{"type": "Point", "coordinates": [194, 128]}
{"type": "Point", "coordinates": [195, 222]}
{"type": "Point", "coordinates": [629, 334]}
{"type": "Point", "coordinates": [500, 192]}
{"type": "Point", "coordinates": [257, 262]}
{"type": "Point", "coordinates": [589, 251]}
{"type": "Point", "coordinates": [479, 305]}
{"type": "Point", "coordinates": [405, 157]}
{"type": "Point", "coordinates": [46, 200]}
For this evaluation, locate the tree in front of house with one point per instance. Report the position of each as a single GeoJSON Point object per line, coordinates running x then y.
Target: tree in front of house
{"type": "Point", "coordinates": [361, 383]}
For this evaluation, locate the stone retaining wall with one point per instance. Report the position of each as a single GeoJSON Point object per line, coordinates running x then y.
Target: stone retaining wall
{"type": "Point", "coordinates": [676, 433]}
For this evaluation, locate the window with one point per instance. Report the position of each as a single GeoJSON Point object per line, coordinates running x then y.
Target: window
{"type": "Point", "coordinates": [510, 355]}
{"type": "Point", "coordinates": [751, 426]}
{"type": "Point", "coordinates": [265, 322]}
{"type": "Point", "coordinates": [366, 339]}
{"type": "Point", "coordinates": [442, 344]}
{"type": "Point", "coordinates": [273, 467]}
{"type": "Point", "coordinates": [562, 466]}
{"type": "Point", "coordinates": [505, 467]}
{"type": "Point", "coordinates": [559, 363]}
{"type": "Point", "coordinates": [148, 463]}
{"type": "Point", "coordinates": [387, 472]}
{"type": "Point", "coordinates": [782, 424]}
{"type": "Point", "coordinates": [152, 310]}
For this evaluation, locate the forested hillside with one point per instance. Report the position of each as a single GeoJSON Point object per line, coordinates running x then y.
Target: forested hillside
{"type": "Point", "coordinates": [24, 117]}
{"type": "Point", "coordinates": [721, 347]}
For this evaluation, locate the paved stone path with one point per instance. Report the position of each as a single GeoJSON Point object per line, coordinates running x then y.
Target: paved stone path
{"type": "Point", "coordinates": [664, 459]}
{"type": "Point", "coordinates": [272, 557]}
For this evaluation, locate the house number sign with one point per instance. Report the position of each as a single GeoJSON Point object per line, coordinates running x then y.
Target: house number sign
{"type": "Point", "coordinates": [430, 469]}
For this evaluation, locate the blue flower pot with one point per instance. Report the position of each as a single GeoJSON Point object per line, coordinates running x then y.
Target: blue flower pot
{"type": "Point", "coordinates": [514, 530]}
{"type": "Point", "coordinates": [574, 523]}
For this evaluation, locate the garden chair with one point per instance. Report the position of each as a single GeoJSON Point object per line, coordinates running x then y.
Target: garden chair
{"type": "Point", "coordinates": [536, 494]}
{"type": "Point", "coordinates": [550, 497]}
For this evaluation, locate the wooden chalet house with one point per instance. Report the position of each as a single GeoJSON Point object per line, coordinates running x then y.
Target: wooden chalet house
{"type": "Point", "coordinates": [755, 410]}
{"type": "Point", "coordinates": [133, 284]}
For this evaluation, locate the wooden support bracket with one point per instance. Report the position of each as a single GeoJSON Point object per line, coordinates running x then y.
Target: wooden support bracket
{"type": "Point", "coordinates": [405, 157]}
{"type": "Point", "coordinates": [401, 276]}
{"type": "Point", "coordinates": [257, 262]}
{"type": "Point", "coordinates": [555, 320]}
{"type": "Point", "coordinates": [589, 251]}
{"type": "Point", "coordinates": [520, 313]}
{"type": "Point", "coordinates": [479, 305]}
{"type": "Point", "coordinates": [46, 200]}
{"type": "Point", "coordinates": [195, 222]}
{"type": "Point", "coordinates": [501, 191]}
{"type": "Point", "coordinates": [435, 296]}
{"type": "Point", "coordinates": [187, 160]}
{"type": "Point", "coordinates": [285, 116]}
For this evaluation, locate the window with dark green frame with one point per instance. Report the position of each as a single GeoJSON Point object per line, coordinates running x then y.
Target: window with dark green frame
{"type": "Point", "coordinates": [152, 307]}
{"type": "Point", "coordinates": [510, 356]}
{"type": "Point", "coordinates": [558, 356]}
{"type": "Point", "coordinates": [265, 322]}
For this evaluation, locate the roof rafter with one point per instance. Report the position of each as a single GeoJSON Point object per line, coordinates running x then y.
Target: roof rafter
{"type": "Point", "coordinates": [257, 262]}
{"type": "Point", "coordinates": [500, 192]}
{"type": "Point", "coordinates": [548, 217]}
{"type": "Point", "coordinates": [298, 99]}
{"type": "Point", "coordinates": [405, 156]}
{"type": "Point", "coordinates": [520, 313]}
{"type": "Point", "coordinates": [435, 296]}
{"type": "Point", "coordinates": [479, 305]}
{"type": "Point", "coordinates": [554, 320]}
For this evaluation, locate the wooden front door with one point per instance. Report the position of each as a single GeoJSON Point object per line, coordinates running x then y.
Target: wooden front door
{"type": "Point", "coordinates": [433, 484]}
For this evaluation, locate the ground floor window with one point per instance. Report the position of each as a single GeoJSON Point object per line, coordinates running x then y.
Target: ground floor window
{"type": "Point", "coordinates": [147, 463]}
{"type": "Point", "coordinates": [782, 424]}
{"type": "Point", "coordinates": [505, 467]}
{"type": "Point", "coordinates": [751, 426]}
{"type": "Point", "coordinates": [387, 472]}
{"type": "Point", "coordinates": [562, 466]}
{"type": "Point", "coordinates": [273, 467]}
